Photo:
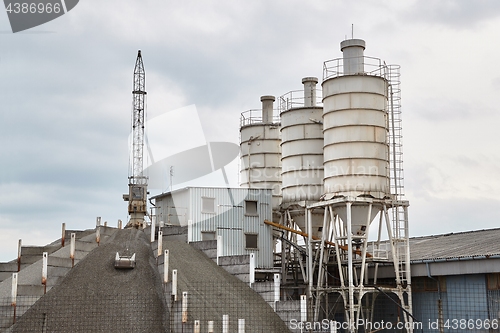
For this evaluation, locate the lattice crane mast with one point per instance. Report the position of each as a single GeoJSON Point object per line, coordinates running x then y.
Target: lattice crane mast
{"type": "Point", "coordinates": [138, 182]}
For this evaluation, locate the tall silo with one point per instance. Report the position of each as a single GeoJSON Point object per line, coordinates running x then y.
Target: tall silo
{"type": "Point", "coordinates": [356, 150]}
{"type": "Point", "coordinates": [302, 153]}
{"type": "Point", "coordinates": [260, 151]}
{"type": "Point", "coordinates": [360, 107]}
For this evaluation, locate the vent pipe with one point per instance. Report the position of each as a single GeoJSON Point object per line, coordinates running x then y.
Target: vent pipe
{"type": "Point", "coordinates": [309, 91]}
{"type": "Point", "coordinates": [352, 50]}
{"type": "Point", "coordinates": [267, 108]}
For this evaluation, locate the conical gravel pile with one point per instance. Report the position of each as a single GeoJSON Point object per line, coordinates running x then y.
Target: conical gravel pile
{"type": "Point", "coordinates": [96, 297]}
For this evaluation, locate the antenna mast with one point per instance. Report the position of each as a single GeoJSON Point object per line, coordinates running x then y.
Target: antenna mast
{"type": "Point", "coordinates": [138, 183]}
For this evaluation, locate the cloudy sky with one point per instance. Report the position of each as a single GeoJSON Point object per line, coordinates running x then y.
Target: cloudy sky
{"type": "Point", "coordinates": [65, 97]}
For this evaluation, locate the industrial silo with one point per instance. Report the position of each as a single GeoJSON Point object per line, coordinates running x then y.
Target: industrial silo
{"type": "Point", "coordinates": [260, 150]}
{"type": "Point", "coordinates": [302, 153]}
{"type": "Point", "coordinates": [356, 152]}
{"type": "Point", "coordinates": [355, 122]}
{"type": "Point", "coordinates": [361, 161]}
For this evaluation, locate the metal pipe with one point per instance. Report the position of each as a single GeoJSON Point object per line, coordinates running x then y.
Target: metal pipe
{"type": "Point", "coordinates": [337, 252]}
{"type": "Point", "coordinates": [72, 246]}
{"type": "Point", "coordinates": [160, 243]}
{"type": "Point", "coordinates": [252, 268]}
{"type": "Point", "coordinates": [309, 91]}
{"type": "Point", "coordinates": [153, 227]}
{"type": "Point", "coordinates": [174, 284]}
{"type": "Point", "coordinates": [184, 307]}
{"type": "Point", "coordinates": [14, 295]}
{"type": "Point", "coordinates": [98, 230]}
{"type": "Point", "coordinates": [349, 265]}
{"type": "Point", "coordinates": [225, 323]}
{"type": "Point", "coordinates": [321, 249]}
{"type": "Point", "coordinates": [310, 256]}
{"type": "Point", "coordinates": [267, 108]}
{"type": "Point", "coordinates": [241, 325]}
{"type": "Point", "coordinates": [440, 304]}
{"type": "Point", "coordinates": [196, 326]}
{"type": "Point", "coordinates": [365, 244]}
{"type": "Point", "coordinates": [277, 284]}
{"type": "Point", "coordinates": [165, 266]}
{"type": "Point", "coordinates": [219, 248]}
{"type": "Point", "coordinates": [210, 326]}
{"type": "Point", "coordinates": [44, 271]}
{"type": "Point", "coordinates": [303, 308]}
{"type": "Point", "coordinates": [19, 247]}
{"type": "Point", "coordinates": [63, 234]}
{"type": "Point", "coordinates": [395, 258]}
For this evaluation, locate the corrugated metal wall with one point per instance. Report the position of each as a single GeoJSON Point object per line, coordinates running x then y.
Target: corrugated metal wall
{"type": "Point", "coordinates": [173, 209]}
{"type": "Point", "coordinates": [228, 218]}
{"type": "Point", "coordinates": [467, 305]}
{"type": "Point", "coordinates": [231, 221]}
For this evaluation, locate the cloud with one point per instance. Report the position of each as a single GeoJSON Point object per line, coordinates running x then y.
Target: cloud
{"type": "Point", "coordinates": [454, 14]}
{"type": "Point", "coordinates": [66, 95]}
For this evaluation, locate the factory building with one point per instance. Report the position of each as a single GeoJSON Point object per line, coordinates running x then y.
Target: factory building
{"type": "Point", "coordinates": [317, 233]}
{"type": "Point", "coordinates": [234, 217]}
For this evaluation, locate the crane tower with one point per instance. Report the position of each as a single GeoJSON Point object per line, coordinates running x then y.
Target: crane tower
{"type": "Point", "coordinates": [138, 182]}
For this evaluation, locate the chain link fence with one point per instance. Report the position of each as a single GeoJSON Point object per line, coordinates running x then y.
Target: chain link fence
{"type": "Point", "coordinates": [456, 304]}
{"type": "Point", "coordinates": [201, 307]}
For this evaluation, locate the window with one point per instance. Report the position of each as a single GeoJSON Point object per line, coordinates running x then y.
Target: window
{"type": "Point", "coordinates": [251, 207]}
{"type": "Point", "coordinates": [208, 235]}
{"type": "Point", "coordinates": [493, 281]}
{"type": "Point", "coordinates": [207, 205]}
{"type": "Point", "coordinates": [424, 283]}
{"type": "Point", "coordinates": [251, 241]}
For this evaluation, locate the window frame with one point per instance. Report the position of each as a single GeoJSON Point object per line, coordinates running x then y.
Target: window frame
{"type": "Point", "coordinates": [252, 212]}
{"type": "Point", "coordinates": [204, 205]}
{"type": "Point", "coordinates": [251, 234]}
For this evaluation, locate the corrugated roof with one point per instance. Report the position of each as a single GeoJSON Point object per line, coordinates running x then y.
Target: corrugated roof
{"type": "Point", "coordinates": [452, 246]}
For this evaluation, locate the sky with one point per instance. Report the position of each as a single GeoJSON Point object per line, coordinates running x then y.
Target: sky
{"type": "Point", "coordinates": [66, 101]}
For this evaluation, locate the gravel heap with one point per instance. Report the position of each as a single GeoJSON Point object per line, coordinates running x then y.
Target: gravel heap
{"type": "Point", "coordinates": [213, 292]}
{"type": "Point", "coordinates": [96, 297]}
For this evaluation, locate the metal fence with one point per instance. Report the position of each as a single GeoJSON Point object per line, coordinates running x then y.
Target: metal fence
{"type": "Point", "coordinates": [90, 313]}
{"type": "Point", "coordinates": [202, 307]}
{"type": "Point", "coordinates": [220, 307]}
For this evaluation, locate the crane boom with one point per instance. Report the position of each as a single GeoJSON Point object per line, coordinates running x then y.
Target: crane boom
{"type": "Point", "coordinates": [139, 93]}
{"type": "Point", "coordinates": [138, 182]}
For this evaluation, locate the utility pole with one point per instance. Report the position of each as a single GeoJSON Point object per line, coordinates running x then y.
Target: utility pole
{"type": "Point", "coordinates": [138, 182]}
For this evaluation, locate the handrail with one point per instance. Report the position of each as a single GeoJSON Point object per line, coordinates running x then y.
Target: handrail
{"type": "Point", "coordinates": [254, 116]}
{"type": "Point", "coordinates": [296, 99]}
{"type": "Point", "coordinates": [372, 66]}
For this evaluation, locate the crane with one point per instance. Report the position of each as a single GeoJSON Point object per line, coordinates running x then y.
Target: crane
{"type": "Point", "coordinates": [138, 182]}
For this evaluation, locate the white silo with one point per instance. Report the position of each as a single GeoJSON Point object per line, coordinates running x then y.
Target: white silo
{"type": "Point", "coordinates": [302, 153]}
{"type": "Point", "coordinates": [356, 151]}
{"type": "Point", "coordinates": [260, 151]}
{"type": "Point", "coordinates": [359, 113]}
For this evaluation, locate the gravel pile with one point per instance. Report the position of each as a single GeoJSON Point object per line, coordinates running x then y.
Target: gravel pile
{"type": "Point", "coordinates": [212, 293]}
{"type": "Point", "coordinates": [96, 297]}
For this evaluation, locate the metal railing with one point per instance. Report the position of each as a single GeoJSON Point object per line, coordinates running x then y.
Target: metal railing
{"type": "Point", "coordinates": [296, 99]}
{"type": "Point", "coordinates": [372, 66]}
{"type": "Point", "coordinates": [254, 117]}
